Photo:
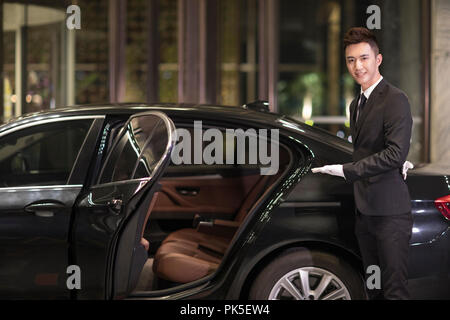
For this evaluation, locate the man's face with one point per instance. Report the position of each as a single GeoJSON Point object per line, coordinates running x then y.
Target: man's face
{"type": "Point", "coordinates": [363, 64]}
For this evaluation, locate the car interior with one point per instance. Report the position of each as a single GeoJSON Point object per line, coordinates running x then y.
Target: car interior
{"type": "Point", "coordinates": [192, 219]}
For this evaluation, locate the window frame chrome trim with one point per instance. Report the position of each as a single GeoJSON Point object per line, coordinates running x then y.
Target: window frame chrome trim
{"type": "Point", "coordinates": [39, 188]}
{"type": "Point", "coordinates": [171, 135]}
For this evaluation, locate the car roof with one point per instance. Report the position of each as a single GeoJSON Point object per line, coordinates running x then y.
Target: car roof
{"type": "Point", "coordinates": [215, 111]}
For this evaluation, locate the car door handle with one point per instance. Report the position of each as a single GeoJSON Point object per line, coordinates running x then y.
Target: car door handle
{"type": "Point", "coordinates": [188, 191]}
{"type": "Point", "coordinates": [44, 209]}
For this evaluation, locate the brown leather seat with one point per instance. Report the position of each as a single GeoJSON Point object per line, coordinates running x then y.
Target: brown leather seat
{"type": "Point", "coordinates": [193, 235]}
{"type": "Point", "coordinates": [189, 254]}
{"type": "Point", "coordinates": [182, 268]}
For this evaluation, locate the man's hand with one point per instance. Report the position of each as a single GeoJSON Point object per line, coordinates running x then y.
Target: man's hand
{"type": "Point", "coordinates": [406, 166]}
{"type": "Point", "coordinates": [334, 170]}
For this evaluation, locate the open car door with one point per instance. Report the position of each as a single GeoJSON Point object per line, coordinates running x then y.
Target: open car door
{"type": "Point", "coordinates": [112, 215]}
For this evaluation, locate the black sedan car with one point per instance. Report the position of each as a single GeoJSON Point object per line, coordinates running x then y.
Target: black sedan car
{"type": "Point", "coordinates": [192, 202]}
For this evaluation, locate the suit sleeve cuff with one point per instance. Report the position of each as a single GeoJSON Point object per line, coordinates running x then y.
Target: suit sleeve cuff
{"type": "Point", "coordinates": [349, 174]}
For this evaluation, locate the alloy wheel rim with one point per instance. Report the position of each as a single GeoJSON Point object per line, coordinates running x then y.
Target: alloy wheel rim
{"type": "Point", "coordinates": [309, 283]}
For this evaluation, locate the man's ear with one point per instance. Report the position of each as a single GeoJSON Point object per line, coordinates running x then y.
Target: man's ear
{"type": "Point", "coordinates": [379, 59]}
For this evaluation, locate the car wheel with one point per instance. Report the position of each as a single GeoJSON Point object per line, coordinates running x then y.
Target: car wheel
{"type": "Point", "coordinates": [307, 275]}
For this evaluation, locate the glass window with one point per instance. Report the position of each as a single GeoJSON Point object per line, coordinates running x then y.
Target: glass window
{"type": "Point", "coordinates": [9, 75]}
{"type": "Point", "coordinates": [137, 151]}
{"type": "Point", "coordinates": [138, 45]}
{"type": "Point", "coordinates": [202, 149]}
{"type": "Point", "coordinates": [168, 52]}
{"type": "Point", "coordinates": [41, 155]}
{"type": "Point", "coordinates": [43, 82]}
{"type": "Point", "coordinates": [238, 57]}
{"type": "Point", "coordinates": [136, 50]}
{"type": "Point", "coordinates": [314, 85]}
{"type": "Point", "coordinates": [91, 54]}
{"type": "Point", "coordinates": [34, 68]}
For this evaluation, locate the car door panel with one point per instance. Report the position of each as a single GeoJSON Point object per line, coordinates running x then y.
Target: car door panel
{"type": "Point", "coordinates": [112, 213]}
{"type": "Point", "coordinates": [24, 263]}
{"type": "Point", "coordinates": [35, 220]}
{"type": "Point", "coordinates": [208, 196]}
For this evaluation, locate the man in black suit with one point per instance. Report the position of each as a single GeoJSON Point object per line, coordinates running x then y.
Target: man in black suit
{"type": "Point", "coordinates": [380, 123]}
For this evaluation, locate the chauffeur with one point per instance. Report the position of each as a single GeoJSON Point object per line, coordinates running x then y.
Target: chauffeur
{"type": "Point", "coordinates": [380, 123]}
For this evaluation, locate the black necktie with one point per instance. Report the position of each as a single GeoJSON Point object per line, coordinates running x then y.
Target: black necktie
{"type": "Point", "coordinates": [362, 103]}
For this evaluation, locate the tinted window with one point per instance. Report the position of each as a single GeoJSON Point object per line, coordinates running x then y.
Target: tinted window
{"type": "Point", "coordinates": [41, 155]}
{"type": "Point", "coordinates": [225, 151]}
{"type": "Point", "coordinates": [137, 151]}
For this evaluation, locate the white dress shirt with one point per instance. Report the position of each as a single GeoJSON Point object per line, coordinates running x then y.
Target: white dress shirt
{"type": "Point", "coordinates": [367, 93]}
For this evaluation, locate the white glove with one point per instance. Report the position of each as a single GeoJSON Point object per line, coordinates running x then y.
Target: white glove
{"type": "Point", "coordinates": [334, 170]}
{"type": "Point", "coordinates": [407, 165]}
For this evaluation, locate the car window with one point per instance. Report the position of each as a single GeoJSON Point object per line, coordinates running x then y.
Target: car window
{"type": "Point", "coordinates": [137, 150]}
{"type": "Point", "coordinates": [223, 154]}
{"type": "Point", "coordinates": [42, 154]}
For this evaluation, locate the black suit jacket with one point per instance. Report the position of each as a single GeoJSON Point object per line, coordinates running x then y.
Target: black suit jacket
{"type": "Point", "coordinates": [381, 145]}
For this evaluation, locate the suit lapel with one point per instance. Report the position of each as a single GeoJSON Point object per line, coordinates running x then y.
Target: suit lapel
{"type": "Point", "coordinates": [352, 117]}
{"type": "Point", "coordinates": [374, 97]}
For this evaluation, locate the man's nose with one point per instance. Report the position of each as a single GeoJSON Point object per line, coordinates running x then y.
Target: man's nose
{"type": "Point", "coordinates": [358, 64]}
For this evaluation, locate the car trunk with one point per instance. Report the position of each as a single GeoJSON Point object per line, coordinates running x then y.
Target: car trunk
{"type": "Point", "coordinates": [429, 181]}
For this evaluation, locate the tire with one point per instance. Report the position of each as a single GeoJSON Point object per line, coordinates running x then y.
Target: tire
{"type": "Point", "coordinates": [327, 276]}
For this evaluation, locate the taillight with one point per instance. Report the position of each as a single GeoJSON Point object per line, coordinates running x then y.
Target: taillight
{"type": "Point", "coordinates": [443, 205]}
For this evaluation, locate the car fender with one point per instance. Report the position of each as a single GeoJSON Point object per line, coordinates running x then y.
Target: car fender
{"type": "Point", "coordinates": [322, 231]}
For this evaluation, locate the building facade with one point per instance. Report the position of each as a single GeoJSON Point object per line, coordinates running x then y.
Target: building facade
{"type": "Point", "coordinates": [228, 52]}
